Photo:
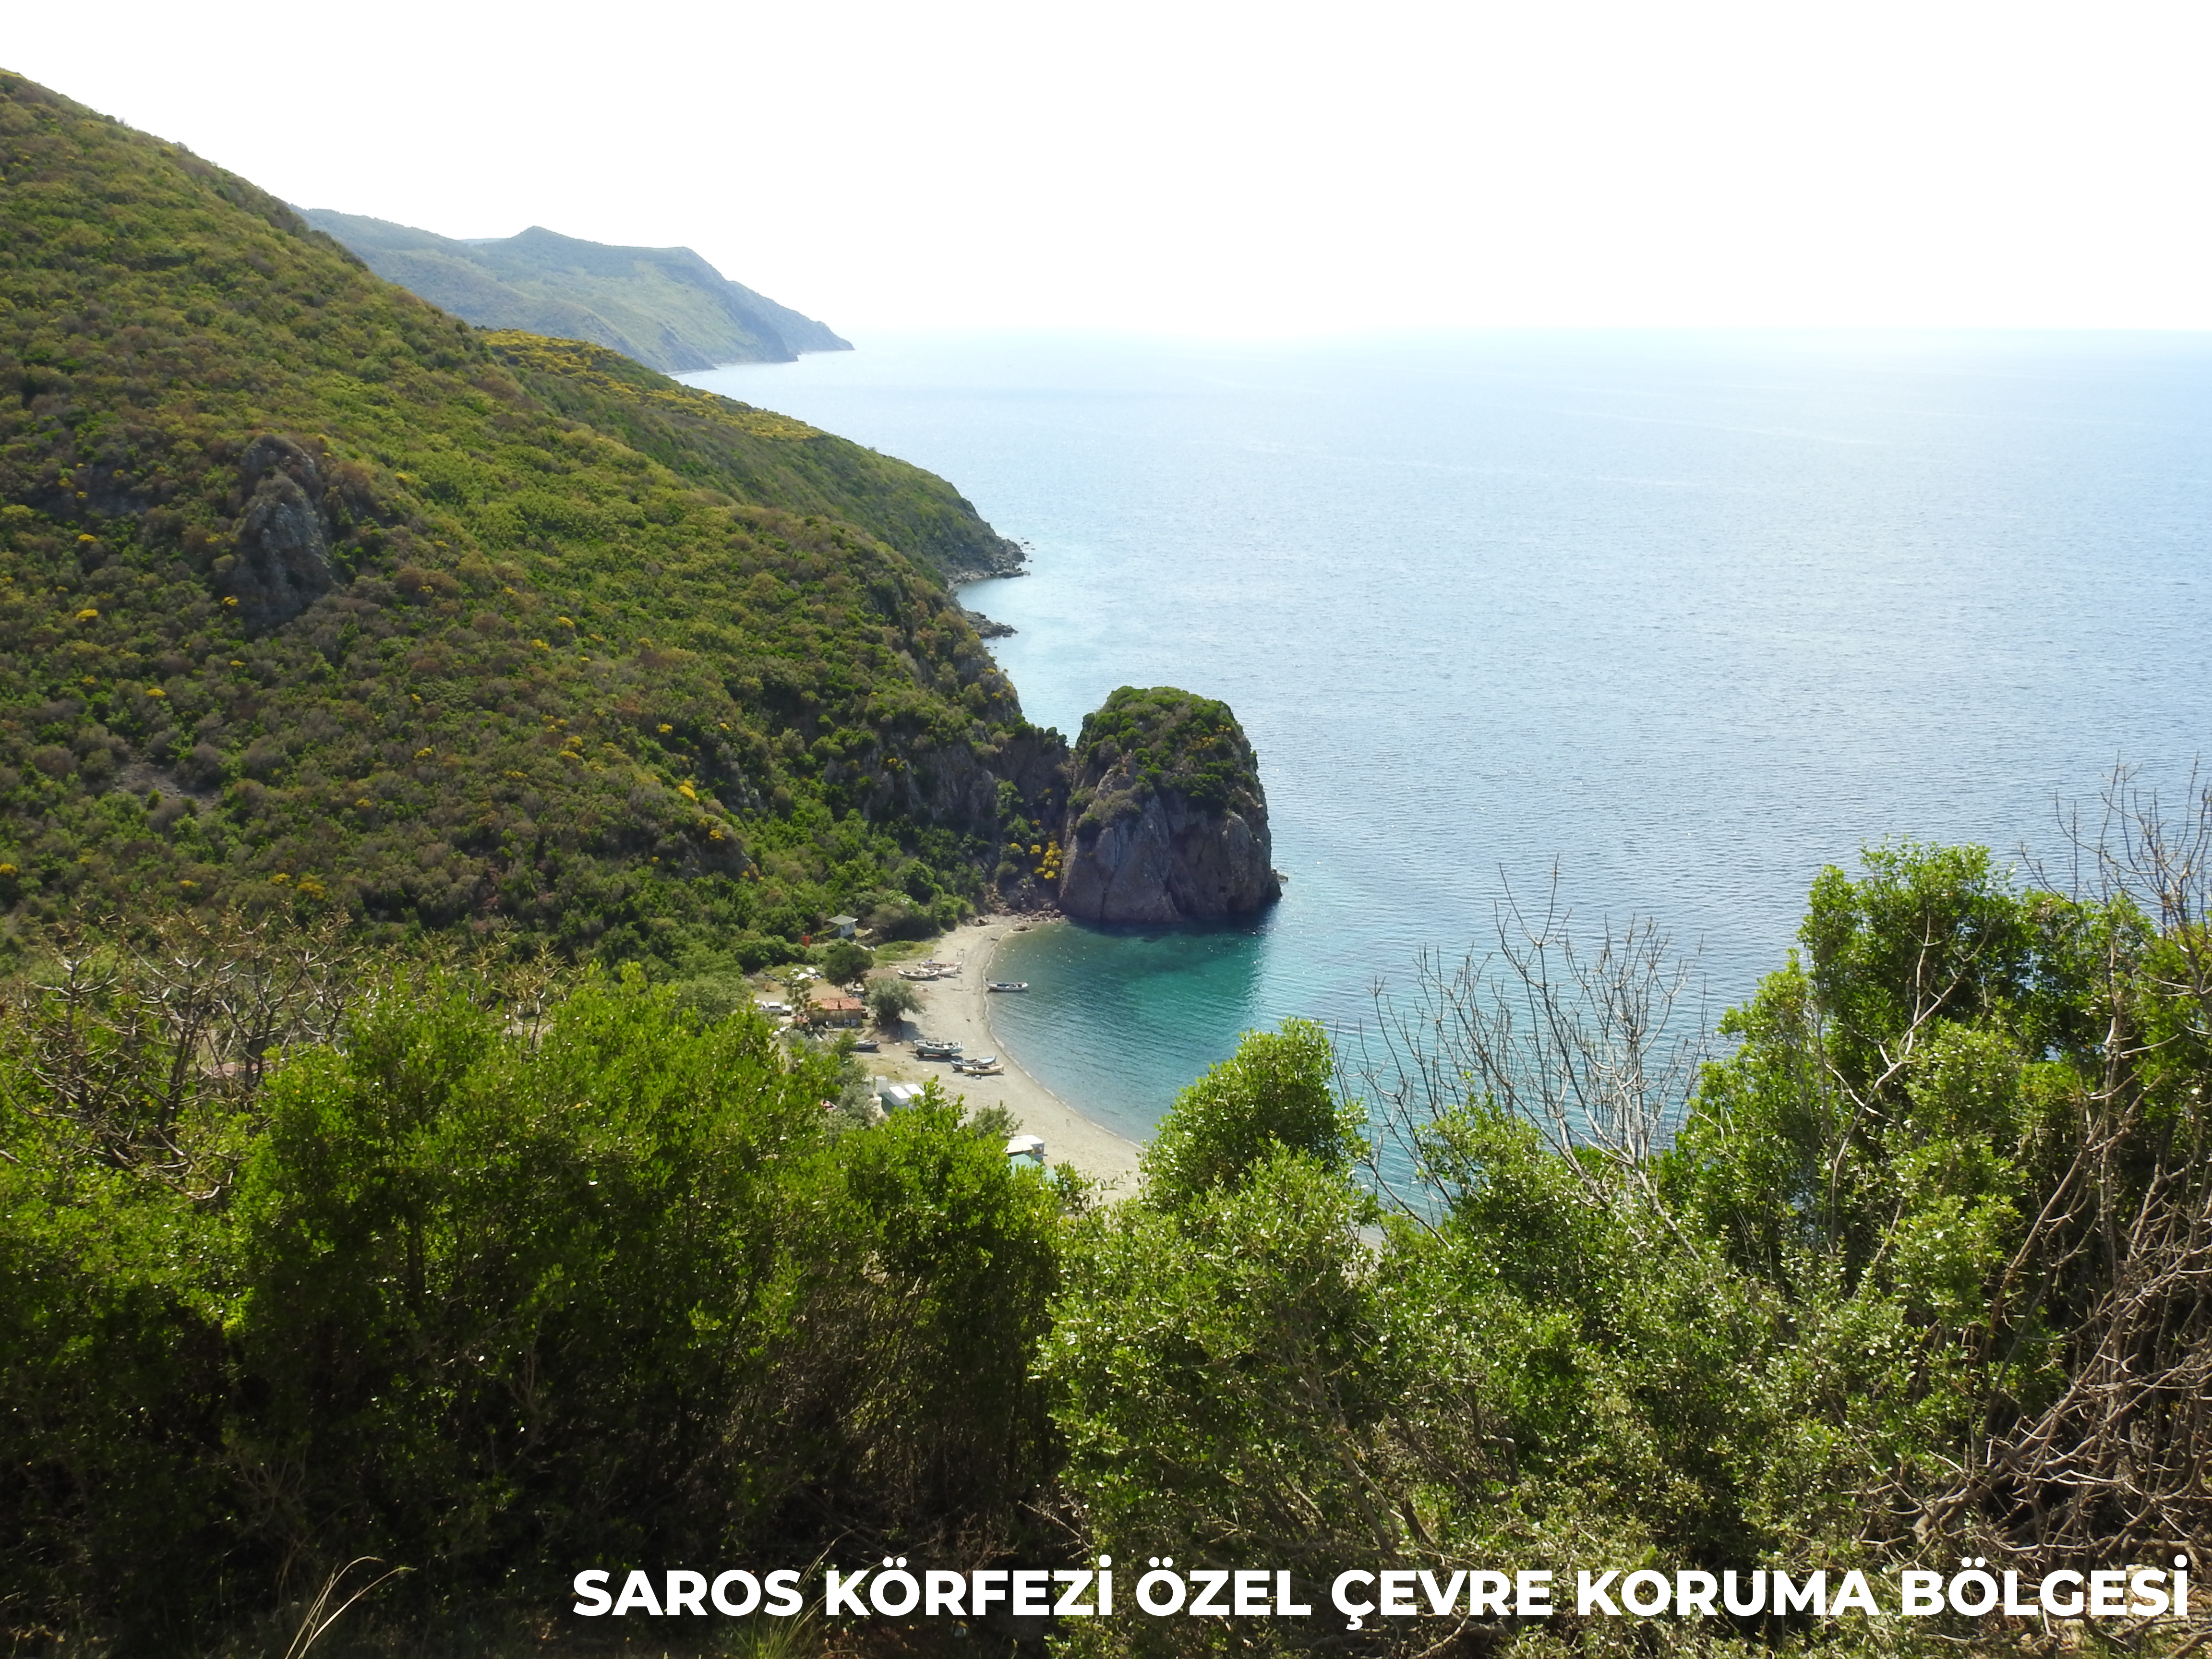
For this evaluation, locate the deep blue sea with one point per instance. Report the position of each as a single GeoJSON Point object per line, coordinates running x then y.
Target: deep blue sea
{"type": "Point", "coordinates": [1690, 615]}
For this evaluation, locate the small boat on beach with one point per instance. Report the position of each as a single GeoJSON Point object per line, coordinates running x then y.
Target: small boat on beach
{"type": "Point", "coordinates": [930, 1048]}
{"type": "Point", "coordinates": [1007, 985]}
{"type": "Point", "coordinates": [979, 1065]}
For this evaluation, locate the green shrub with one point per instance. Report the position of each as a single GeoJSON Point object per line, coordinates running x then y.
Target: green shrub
{"type": "Point", "coordinates": [844, 962]}
{"type": "Point", "coordinates": [481, 1300]}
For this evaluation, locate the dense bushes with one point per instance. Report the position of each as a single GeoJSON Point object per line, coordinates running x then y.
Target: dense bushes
{"type": "Point", "coordinates": [305, 1254]}
{"type": "Point", "coordinates": [1920, 1276]}
{"type": "Point", "coordinates": [479, 1297]}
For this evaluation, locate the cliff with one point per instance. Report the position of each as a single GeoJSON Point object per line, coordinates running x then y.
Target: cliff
{"type": "Point", "coordinates": [665, 307]}
{"type": "Point", "coordinates": [1166, 820]}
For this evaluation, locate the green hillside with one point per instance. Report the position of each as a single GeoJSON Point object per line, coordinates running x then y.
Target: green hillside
{"type": "Point", "coordinates": [311, 596]}
{"type": "Point", "coordinates": [760, 456]}
{"type": "Point", "coordinates": [665, 307]}
{"type": "Point", "coordinates": [326, 619]}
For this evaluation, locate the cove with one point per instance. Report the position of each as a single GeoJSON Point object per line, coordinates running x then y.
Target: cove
{"type": "Point", "coordinates": [1688, 615]}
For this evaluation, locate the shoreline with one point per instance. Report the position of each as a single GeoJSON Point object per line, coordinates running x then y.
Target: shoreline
{"type": "Point", "coordinates": [957, 1009]}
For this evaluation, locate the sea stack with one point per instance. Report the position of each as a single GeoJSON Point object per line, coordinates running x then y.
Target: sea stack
{"type": "Point", "coordinates": [1166, 820]}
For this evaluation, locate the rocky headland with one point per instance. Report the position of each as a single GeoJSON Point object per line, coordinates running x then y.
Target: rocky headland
{"type": "Point", "coordinates": [1165, 819]}
{"type": "Point", "coordinates": [665, 307]}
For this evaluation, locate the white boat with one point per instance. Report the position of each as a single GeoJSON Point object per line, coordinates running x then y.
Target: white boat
{"type": "Point", "coordinates": [1007, 985]}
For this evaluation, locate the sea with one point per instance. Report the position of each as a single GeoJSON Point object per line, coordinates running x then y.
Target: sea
{"type": "Point", "coordinates": [1621, 626]}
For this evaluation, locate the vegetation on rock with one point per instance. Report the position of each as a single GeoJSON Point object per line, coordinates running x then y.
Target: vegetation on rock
{"type": "Point", "coordinates": [1139, 744]}
{"type": "Point", "coordinates": [1165, 821]}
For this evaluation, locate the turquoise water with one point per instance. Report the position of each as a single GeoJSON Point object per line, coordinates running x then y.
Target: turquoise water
{"type": "Point", "coordinates": [1116, 1019]}
{"type": "Point", "coordinates": [1689, 615]}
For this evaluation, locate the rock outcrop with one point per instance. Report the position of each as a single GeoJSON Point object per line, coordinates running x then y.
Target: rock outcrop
{"type": "Point", "coordinates": [282, 561]}
{"type": "Point", "coordinates": [1166, 819]}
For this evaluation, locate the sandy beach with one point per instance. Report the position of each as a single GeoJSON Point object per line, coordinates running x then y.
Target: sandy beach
{"type": "Point", "coordinates": [956, 1009]}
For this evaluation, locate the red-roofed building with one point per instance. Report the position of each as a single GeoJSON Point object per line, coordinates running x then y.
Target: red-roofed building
{"type": "Point", "coordinates": [829, 1005]}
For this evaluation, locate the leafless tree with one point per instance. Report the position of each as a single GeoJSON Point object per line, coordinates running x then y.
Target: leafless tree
{"type": "Point", "coordinates": [129, 1051]}
{"type": "Point", "coordinates": [1597, 1043]}
{"type": "Point", "coordinates": [2120, 1455]}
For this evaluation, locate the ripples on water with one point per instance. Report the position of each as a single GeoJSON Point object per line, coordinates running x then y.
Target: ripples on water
{"type": "Point", "coordinates": [1695, 614]}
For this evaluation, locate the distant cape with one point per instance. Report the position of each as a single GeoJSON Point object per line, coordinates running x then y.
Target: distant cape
{"type": "Point", "coordinates": [665, 307]}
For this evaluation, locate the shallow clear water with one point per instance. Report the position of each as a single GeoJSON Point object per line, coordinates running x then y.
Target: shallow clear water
{"type": "Point", "coordinates": [1692, 614]}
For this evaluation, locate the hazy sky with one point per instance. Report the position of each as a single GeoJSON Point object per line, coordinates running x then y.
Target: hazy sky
{"type": "Point", "coordinates": [1219, 166]}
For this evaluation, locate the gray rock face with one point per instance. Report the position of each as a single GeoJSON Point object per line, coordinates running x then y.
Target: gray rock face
{"type": "Point", "coordinates": [1172, 860]}
{"type": "Point", "coordinates": [281, 564]}
{"type": "Point", "coordinates": [1165, 817]}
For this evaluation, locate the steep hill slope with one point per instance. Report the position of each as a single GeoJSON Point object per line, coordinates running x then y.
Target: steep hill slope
{"type": "Point", "coordinates": [665, 307]}
{"type": "Point", "coordinates": [311, 596]}
{"type": "Point", "coordinates": [762, 457]}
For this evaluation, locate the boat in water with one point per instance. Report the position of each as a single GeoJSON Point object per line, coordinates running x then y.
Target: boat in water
{"type": "Point", "coordinates": [1007, 985]}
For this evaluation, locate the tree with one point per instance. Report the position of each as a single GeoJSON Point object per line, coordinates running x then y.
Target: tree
{"type": "Point", "coordinates": [485, 1285]}
{"type": "Point", "coordinates": [889, 1000]}
{"type": "Point", "coordinates": [1589, 1041]}
{"type": "Point", "coordinates": [1273, 1094]}
{"type": "Point", "coordinates": [843, 961]}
